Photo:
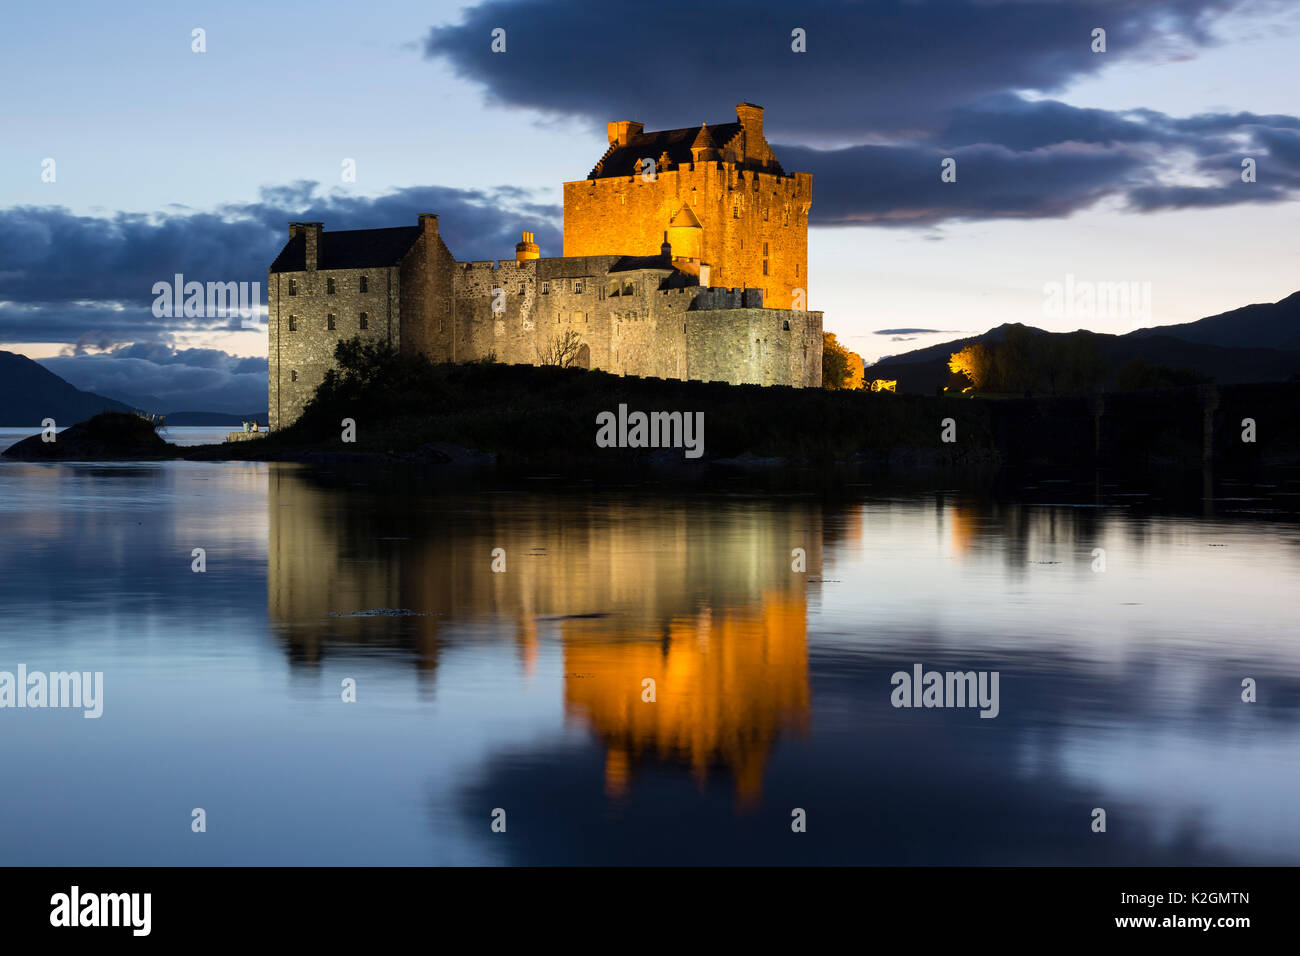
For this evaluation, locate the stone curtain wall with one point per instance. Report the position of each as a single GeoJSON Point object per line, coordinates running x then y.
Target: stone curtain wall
{"type": "Point", "coordinates": [641, 333]}
{"type": "Point", "coordinates": [755, 347]}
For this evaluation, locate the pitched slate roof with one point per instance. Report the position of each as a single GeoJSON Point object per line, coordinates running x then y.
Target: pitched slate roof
{"type": "Point", "coordinates": [625, 160]}
{"type": "Point", "coordinates": [349, 249]}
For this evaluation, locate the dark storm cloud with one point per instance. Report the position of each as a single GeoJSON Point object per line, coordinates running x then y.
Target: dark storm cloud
{"type": "Point", "coordinates": [886, 67]}
{"type": "Point", "coordinates": [887, 89]}
{"type": "Point", "coordinates": [70, 278]}
{"type": "Point", "coordinates": [901, 185]}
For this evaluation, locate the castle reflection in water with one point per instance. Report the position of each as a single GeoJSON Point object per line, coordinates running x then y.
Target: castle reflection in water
{"type": "Point", "coordinates": [700, 598]}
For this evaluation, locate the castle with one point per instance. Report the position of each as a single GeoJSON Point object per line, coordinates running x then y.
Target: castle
{"type": "Point", "coordinates": [685, 257]}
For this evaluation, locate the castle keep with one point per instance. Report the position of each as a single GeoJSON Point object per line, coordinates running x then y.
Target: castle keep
{"type": "Point", "coordinates": [685, 256]}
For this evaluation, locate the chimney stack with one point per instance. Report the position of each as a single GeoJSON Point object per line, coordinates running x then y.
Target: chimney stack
{"type": "Point", "coordinates": [311, 230]}
{"type": "Point", "coordinates": [751, 119]}
{"type": "Point", "coordinates": [622, 131]}
{"type": "Point", "coordinates": [429, 223]}
{"type": "Point", "coordinates": [527, 249]}
{"type": "Point", "coordinates": [293, 229]}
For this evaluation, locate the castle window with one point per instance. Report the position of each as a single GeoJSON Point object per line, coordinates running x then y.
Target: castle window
{"type": "Point", "coordinates": [365, 283]}
{"type": "Point", "coordinates": [293, 376]}
{"type": "Point", "coordinates": [764, 267]}
{"type": "Point", "coordinates": [546, 288]}
{"type": "Point", "coordinates": [765, 213]}
{"type": "Point", "coordinates": [628, 289]}
{"type": "Point", "coordinates": [329, 286]}
{"type": "Point", "coordinates": [765, 248]}
{"type": "Point", "coordinates": [735, 211]}
{"type": "Point", "coordinates": [330, 323]}
{"type": "Point", "coordinates": [293, 286]}
{"type": "Point", "coordinates": [293, 323]}
{"type": "Point", "coordinates": [365, 321]}
{"type": "Point", "coordinates": [787, 325]}
{"type": "Point", "coordinates": [521, 288]}
{"type": "Point", "coordinates": [796, 270]}
{"type": "Point", "coordinates": [577, 285]}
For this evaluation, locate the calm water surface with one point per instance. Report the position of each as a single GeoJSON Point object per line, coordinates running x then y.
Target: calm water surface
{"type": "Point", "coordinates": [522, 690]}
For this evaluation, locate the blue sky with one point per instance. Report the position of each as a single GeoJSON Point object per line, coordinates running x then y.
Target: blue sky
{"type": "Point", "coordinates": [1115, 166]}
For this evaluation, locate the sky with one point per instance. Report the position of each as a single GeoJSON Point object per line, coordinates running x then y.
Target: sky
{"type": "Point", "coordinates": [1072, 165]}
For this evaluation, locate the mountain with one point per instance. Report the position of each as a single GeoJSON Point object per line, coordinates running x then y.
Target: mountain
{"type": "Point", "coordinates": [1268, 325]}
{"type": "Point", "coordinates": [1257, 343]}
{"type": "Point", "coordinates": [146, 403]}
{"type": "Point", "coordinates": [30, 393]}
{"type": "Point", "coordinates": [215, 418]}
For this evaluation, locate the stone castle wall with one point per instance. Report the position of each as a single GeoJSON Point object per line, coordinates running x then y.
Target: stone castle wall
{"type": "Point", "coordinates": [625, 322]}
{"type": "Point", "coordinates": [299, 357]}
{"type": "Point", "coordinates": [627, 325]}
{"type": "Point", "coordinates": [750, 346]}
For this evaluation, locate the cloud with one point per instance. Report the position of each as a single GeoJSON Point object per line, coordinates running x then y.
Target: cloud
{"type": "Point", "coordinates": [887, 90]}
{"type": "Point", "coordinates": [89, 280]}
{"type": "Point", "coordinates": [901, 185]}
{"type": "Point", "coordinates": [884, 68]}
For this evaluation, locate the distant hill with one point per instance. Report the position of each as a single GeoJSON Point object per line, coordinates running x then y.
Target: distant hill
{"type": "Point", "coordinates": [1269, 325]}
{"type": "Point", "coordinates": [214, 418]}
{"type": "Point", "coordinates": [29, 393]}
{"type": "Point", "coordinates": [146, 403]}
{"type": "Point", "coordinates": [1257, 343]}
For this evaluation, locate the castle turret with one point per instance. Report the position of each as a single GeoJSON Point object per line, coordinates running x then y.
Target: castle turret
{"type": "Point", "coordinates": [703, 150]}
{"type": "Point", "coordinates": [527, 249]}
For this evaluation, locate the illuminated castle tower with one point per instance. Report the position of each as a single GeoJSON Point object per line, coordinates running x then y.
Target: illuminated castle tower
{"type": "Point", "coordinates": [717, 194]}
